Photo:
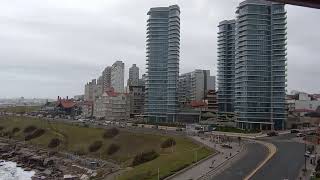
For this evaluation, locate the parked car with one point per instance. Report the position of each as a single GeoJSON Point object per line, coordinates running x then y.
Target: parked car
{"type": "Point", "coordinates": [226, 146]}
{"type": "Point", "coordinates": [294, 131]}
{"type": "Point", "coordinates": [312, 133]}
{"type": "Point", "coordinates": [272, 133]}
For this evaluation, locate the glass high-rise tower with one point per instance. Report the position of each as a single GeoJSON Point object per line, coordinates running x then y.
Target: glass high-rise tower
{"type": "Point", "coordinates": [163, 49]}
{"type": "Point", "coordinates": [226, 60]}
{"type": "Point", "coordinates": [260, 65]}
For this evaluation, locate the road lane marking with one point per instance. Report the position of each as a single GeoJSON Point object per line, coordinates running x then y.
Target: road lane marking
{"type": "Point", "coordinates": [272, 151]}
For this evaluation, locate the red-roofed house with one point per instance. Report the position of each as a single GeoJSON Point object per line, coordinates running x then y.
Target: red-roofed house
{"type": "Point", "coordinates": [68, 106]}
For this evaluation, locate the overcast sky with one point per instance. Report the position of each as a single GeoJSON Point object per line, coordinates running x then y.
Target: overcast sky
{"type": "Point", "coordinates": [53, 47]}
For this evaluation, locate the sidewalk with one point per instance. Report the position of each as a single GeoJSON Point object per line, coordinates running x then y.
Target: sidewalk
{"type": "Point", "coordinates": [209, 164]}
{"type": "Point", "coordinates": [310, 167]}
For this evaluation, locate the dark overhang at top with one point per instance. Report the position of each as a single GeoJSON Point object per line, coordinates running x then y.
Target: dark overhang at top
{"type": "Point", "coordinates": [305, 3]}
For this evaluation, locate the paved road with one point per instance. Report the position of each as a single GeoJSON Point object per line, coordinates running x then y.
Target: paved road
{"type": "Point", "coordinates": [255, 153]}
{"type": "Point", "coordinates": [286, 163]}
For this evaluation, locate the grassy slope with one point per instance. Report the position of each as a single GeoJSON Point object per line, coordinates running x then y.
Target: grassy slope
{"type": "Point", "coordinates": [76, 138]}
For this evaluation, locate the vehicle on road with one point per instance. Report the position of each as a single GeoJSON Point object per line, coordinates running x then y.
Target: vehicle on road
{"type": "Point", "coordinates": [307, 154]}
{"type": "Point", "coordinates": [272, 133]}
{"type": "Point", "coordinates": [226, 146]}
{"type": "Point", "coordinates": [293, 131]}
{"type": "Point", "coordinates": [300, 135]}
{"type": "Point", "coordinates": [312, 133]}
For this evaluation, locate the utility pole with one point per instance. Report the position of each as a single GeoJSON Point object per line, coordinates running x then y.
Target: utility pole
{"type": "Point", "coordinates": [158, 174]}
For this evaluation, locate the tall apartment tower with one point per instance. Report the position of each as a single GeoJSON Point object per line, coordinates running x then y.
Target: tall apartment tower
{"type": "Point", "coordinates": [163, 49]}
{"type": "Point", "coordinates": [106, 78]}
{"type": "Point", "coordinates": [260, 65]}
{"type": "Point", "coordinates": [133, 76]}
{"type": "Point", "coordinates": [117, 76]}
{"type": "Point", "coordinates": [226, 63]}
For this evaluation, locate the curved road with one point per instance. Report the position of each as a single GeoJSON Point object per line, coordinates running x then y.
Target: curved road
{"type": "Point", "coordinates": [286, 163]}
{"type": "Point", "coordinates": [254, 154]}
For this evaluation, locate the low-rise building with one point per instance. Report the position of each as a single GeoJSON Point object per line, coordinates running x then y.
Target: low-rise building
{"type": "Point", "coordinates": [301, 103]}
{"type": "Point", "coordinates": [136, 94]}
{"type": "Point", "coordinates": [212, 100]}
{"type": "Point", "coordinates": [112, 106]}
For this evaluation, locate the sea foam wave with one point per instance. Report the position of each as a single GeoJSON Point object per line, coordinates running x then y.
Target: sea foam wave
{"type": "Point", "coordinates": [10, 171]}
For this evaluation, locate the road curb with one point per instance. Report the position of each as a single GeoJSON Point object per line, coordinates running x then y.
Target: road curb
{"type": "Point", "coordinates": [272, 151]}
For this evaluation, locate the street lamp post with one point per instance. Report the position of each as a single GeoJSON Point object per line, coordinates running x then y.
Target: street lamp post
{"type": "Point", "coordinates": [196, 155]}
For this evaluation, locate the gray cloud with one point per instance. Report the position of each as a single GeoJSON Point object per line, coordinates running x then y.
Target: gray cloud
{"type": "Point", "coordinates": [53, 47]}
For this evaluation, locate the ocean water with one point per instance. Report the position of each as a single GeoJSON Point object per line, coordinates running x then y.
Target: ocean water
{"type": "Point", "coordinates": [10, 171]}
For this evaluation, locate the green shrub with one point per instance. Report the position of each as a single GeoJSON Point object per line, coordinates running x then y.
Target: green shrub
{"type": "Point", "coordinates": [7, 134]}
{"type": "Point", "coordinates": [95, 146]}
{"type": "Point", "coordinates": [168, 143]}
{"type": "Point", "coordinates": [34, 134]}
{"type": "Point", "coordinates": [1, 128]}
{"type": "Point", "coordinates": [15, 130]}
{"type": "Point", "coordinates": [113, 148]}
{"type": "Point", "coordinates": [110, 133]}
{"type": "Point", "coordinates": [144, 157]}
{"type": "Point", "coordinates": [29, 129]}
{"type": "Point", "coordinates": [55, 142]}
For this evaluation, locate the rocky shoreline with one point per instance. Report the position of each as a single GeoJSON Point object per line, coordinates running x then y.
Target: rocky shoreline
{"type": "Point", "coordinates": [46, 164]}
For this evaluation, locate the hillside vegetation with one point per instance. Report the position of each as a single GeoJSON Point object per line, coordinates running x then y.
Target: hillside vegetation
{"type": "Point", "coordinates": [119, 145]}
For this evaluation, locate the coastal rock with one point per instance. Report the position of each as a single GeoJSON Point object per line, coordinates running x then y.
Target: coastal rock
{"type": "Point", "coordinates": [48, 162]}
{"type": "Point", "coordinates": [47, 172]}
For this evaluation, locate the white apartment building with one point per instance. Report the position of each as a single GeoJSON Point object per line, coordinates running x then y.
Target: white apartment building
{"type": "Point", "coordinates": [112, 106]}
{"type": "Point", "coordinates": [88, 90]}
{"type": "Point", "coordinates": [117, 76]}
{"type": "Point", "coordinates": [92, 90]}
